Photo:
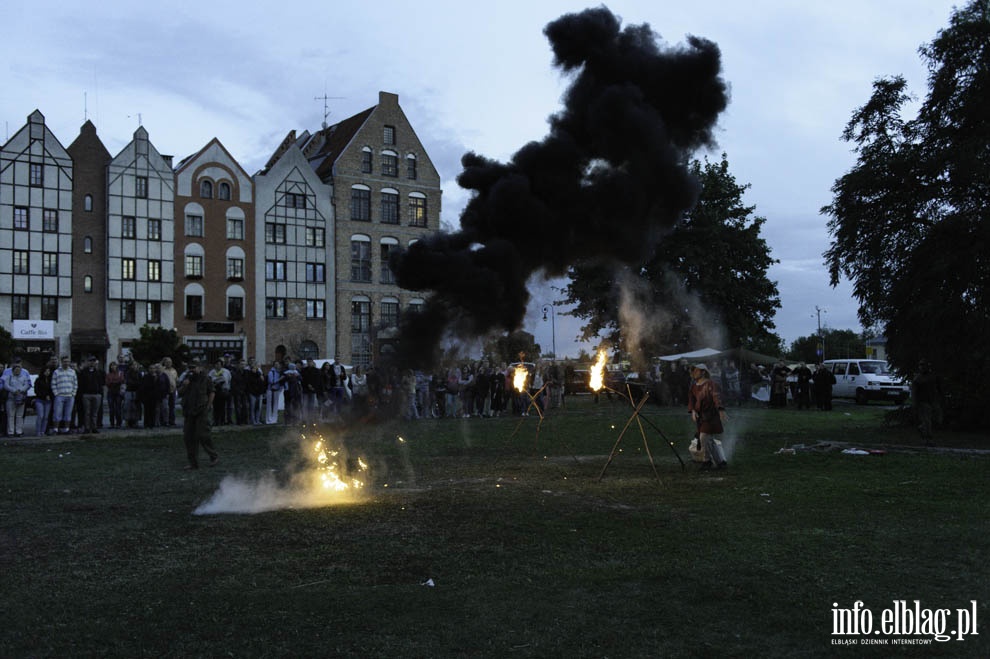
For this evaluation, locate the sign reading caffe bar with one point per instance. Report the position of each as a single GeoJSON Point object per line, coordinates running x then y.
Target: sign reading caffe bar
{"type": "Point", "coordinates": [34, 330]}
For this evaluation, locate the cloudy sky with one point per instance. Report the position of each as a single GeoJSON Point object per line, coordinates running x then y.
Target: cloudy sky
{"type": "Point", "coordinates": [471, 79]}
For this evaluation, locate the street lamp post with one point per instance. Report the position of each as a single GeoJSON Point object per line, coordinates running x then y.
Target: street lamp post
{"type": "Point", "coordinates": [821, 339]}
{"type": "Point", "coordinates": [553, 326]}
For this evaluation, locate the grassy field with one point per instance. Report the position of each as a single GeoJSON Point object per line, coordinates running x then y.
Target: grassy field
{"type": "Point", "coordinates": [495, 537]}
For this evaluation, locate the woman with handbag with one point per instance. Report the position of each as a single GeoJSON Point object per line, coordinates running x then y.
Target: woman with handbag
{"type": "Point", "coordinates": [707, 412]}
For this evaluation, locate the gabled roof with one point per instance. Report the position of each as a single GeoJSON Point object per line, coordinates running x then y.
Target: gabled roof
{"type": "Point", "coordinates": [185, 162]}
{"type": "Point", "coordinates": [328, 144]}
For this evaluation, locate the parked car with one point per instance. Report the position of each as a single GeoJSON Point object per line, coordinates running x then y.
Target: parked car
{"type": "Point", "coordinates": [577, 382]}
{"type": "Point", "coordinates": [864, 380]}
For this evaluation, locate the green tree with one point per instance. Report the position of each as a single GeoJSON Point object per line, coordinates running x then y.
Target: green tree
{"type": "Point", "coordinates": [838, 343]}
{"type": "Point", "coordinates": [711, 271]}
{"type": "Point", "coordinates": [910, 222]}
{"type": "Point", "coordinates": [508, 347]}
{"type": "Point", "coordinates": [6, 345]}
{"type": "Point", "coordinates": [156, 343]}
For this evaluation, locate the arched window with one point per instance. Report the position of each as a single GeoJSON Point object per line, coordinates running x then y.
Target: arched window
{"type": "Point", "coordinates": [411, 167]}
{"type": "Point", "coordinates": [387, 246]}
{"type": "Point", "coordinates": [366, 157]}
{"type": "Point", "coordinates": [223, 191]}
{"type": "Point", "coordinates": [308, 350]}
{"type": "Point", "coordinates": [88, 245]}
{"type": "Point", "coordinates": [88, 284]}
{"type": "Point", "coordinates": [206, 189]}
{"type": "Point", "coordinates": [88, 203]}
{"type": "Point", "coordinates": [360, 258]}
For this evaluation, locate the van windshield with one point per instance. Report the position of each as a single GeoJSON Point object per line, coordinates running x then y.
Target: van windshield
{"type": "Point", "coordinates": [875, 367]}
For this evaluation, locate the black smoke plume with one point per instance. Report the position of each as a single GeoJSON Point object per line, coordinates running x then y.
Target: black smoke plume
{"type": "Point", "coordinates": [608, 181]}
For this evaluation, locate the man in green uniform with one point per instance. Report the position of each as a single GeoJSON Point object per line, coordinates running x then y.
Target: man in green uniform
{"type": "Point", "coordinates": [196, 392]}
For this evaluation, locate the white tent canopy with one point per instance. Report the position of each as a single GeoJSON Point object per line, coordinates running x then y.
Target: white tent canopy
{"type": "Point", "coordinates": [694, 354]}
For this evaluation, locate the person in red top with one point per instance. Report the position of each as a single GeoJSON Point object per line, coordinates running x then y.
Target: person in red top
{"type": "Point", "coordinates": [705, 406]}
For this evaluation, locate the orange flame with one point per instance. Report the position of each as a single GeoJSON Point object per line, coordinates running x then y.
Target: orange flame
{"type": "Point", "coordinates": [597, 380]}
{"type": "Point", "coordinates": [519, 377]}
{"type": "Point", "coordinates": [330, 472]}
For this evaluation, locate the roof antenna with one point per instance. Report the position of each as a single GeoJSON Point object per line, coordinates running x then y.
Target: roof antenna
{"type": "Point", "coordinates": [326, 106]}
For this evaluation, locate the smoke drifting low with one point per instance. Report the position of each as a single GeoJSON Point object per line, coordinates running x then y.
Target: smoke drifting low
{"type": "Point", "coordinates": [608, 181]}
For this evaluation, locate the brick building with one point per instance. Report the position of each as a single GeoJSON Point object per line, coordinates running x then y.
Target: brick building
{"type": "Point", "coordinates": [214, 254]}
{"type": "Point", "coordinates": [386, 193]}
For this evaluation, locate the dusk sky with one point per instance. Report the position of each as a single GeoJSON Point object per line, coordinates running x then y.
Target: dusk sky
{"type": "Point", "coordinates": [472, 79]}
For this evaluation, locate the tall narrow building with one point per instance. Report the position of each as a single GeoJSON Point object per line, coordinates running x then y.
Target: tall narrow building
{"type": "Point", "coordinates": [90, 159]}
{"type": "Point", "coordinates": [36, 234]}
{"type": "Point", "coordinates": [215, 254]}
{"type": "Point", "coordinates": [386, 193]}
{"type": "Point", "coordinates": [140, 242]}
{"type": "Point", "coordinates": [294, 272]}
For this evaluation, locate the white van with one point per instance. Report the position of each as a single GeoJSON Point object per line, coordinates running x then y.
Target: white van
{"type": "Point", "coordinates": [867, 379]}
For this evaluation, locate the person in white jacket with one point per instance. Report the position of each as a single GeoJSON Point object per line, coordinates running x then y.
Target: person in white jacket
{"type": "Point", "coordinates": [16, 383]}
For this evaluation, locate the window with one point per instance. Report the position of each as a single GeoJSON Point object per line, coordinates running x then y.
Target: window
{"type": "Point", "coordinates": [388, 135]}
{"type": "Point", "coordinates": [235, 229]}
{"type": "Point", "coordinates": [366, 157]}
{"type": "Point", "coordinates": [315, 309]}
{"type": "Point", "coordinates": [316, 272]}
{"type": "Point", "coordinates": [88, 203]}
{"type": "Point", "coordinates": [141, 187]}
{"type": "Point", "coordinates": [49, 220]}
{"type": "Point", "coordinates": [128, 227]}
{"type": "Point", "coordinates": [411, 167]}
{"type": "Point", "coordinates": [153, 312]}
{"type": "Point", "coordinates": [49, 264]}
{"type": "Point", "coordinates": [21, 264]}
{"type": "Point", "coordinates": [194, 225]}
{"type": "Point", "coordinates": [417, 211]}
{"type": "Point", "coordinates": [19, 307]}
{"type": "Point", "coordinates": [275, 307]}
{"type": "Point", "coordinates": [390, 313]}
{"type": "Point", "coordinates": [360, 317]}
{"type": "Point", "coordinates": [88, 245]}
{"type": "Point", "coordinates": [194, 306]}
{"type": "Point", "coordinates": [275, 270]}
{"type": "Point", "coordinates": [235, 269]}
{"type": "Point", "coordinates": [49, 307]}
{"type": "Point", "coordinates": [154, 229]}
{"type": "Point", "coordinates": [390, 208]}
{"type": "Point", "coordinates": [361, 204]}
{"type": "Point", "coordinates": [22, 218]}
{"type": "Point", "coordinates": [315, 237]}
{"type": "Point", "coordinates": [88, 284]}
{"type": "Point", "coordinates": [293, 200]}
{"type": "Point", "coordinates": [206, 189]}
{"type": "Point", "coordinates": [37, 175]}
{"type": "Point", "coordinates": [274, 233]}
{"type": "Point", "coordinates": [416, 306]}
{"type": "Point", "coordinates": [360, 260]}
{"type": "Point", "coordinates": [154, 270]}
{"type": "Point", "coordinates": [128, 268]}
{"type": "Point", "coordinates": [387, 277]}
{"type": "Point", "coordinates": [223, 191]}
{"type": "Point", "coordinates": [390, 164]}
{"type": "Point", "coordinates": [127, 311]}
{"type": "Point", "coordinates": [235, 308]}
{"type": "Point", "coordinates": [194, 266]}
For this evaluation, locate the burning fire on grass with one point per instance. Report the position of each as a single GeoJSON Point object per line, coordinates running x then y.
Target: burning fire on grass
{"type": "Point", "coordinates": [325, 479]}
{"type": "Point", "coordinates": [519, 377]}
{"type": "Point", "coordinates": [597, 380]}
